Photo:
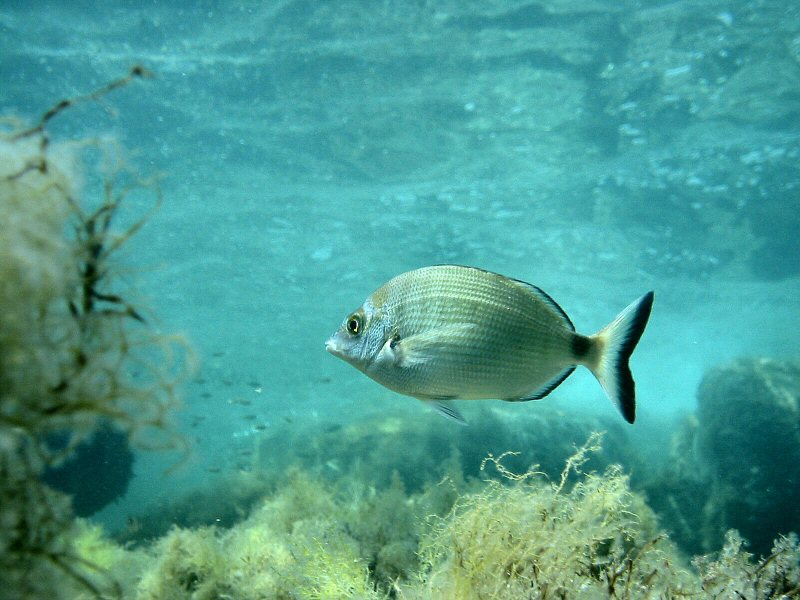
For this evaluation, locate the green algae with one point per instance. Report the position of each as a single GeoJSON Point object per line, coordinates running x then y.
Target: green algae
{"type": "Point", "coordinates": [293, 545]}
{"type": "Point", "coordinates": [383, 451]}
{"type": "Point", "coordinates": [537, 539]}
{"type": "Point", "coordinates": [510, 535]}
{"type": "Point", "coordinates": [423, 519]}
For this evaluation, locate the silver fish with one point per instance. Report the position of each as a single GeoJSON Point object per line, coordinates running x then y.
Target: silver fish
{"type": "Point", "coordinates": [451, 332]}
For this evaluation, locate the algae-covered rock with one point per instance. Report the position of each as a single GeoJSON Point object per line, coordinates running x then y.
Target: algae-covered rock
{"type": "Point", "coordinates": [734, 464]}
{"type": "Point", "coordinates": [749, 439]}
{"type": "Point", "coordinates": [516, 535]}
{"type": "Point", "coordinates": [107, 455]}
{"type": "Point", "coordinates": [417, 445]}
{"type": "Point", "coordinates": [677, 488]}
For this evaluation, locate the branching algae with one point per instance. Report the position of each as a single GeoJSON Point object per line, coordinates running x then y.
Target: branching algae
{"type": "Point", "coordinates": [584, 535]}
{"type": "Point", "coordinates": [73, 351]}
{"type": "Point", "coordinates": [733, 572]}
{"type": "Point", "coordinates": [536, 539]}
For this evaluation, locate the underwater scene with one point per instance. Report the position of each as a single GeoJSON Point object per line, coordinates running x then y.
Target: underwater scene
{"type": "Point", "coordinates": [237, 362]}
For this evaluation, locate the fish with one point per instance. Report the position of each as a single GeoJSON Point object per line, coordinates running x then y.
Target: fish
{"type": "Point", "coordinates": [452, 332]}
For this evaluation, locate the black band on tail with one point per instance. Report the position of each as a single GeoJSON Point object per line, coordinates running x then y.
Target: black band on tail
{"type": "Point", "coordinates": [625, 386]}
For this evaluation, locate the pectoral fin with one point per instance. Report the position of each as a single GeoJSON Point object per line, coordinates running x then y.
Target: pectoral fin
{"type": "Point", "coordinates": [421, 348]}
{"type": "Point", "coordinates": [445, 408]}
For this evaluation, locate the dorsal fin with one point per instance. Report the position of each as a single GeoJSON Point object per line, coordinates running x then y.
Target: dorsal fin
{"type": "Point", "coordinates": [545, 297]}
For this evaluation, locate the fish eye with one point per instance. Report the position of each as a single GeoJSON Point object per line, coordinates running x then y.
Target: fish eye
{"type": "Point", "coordinates": [354, 324]}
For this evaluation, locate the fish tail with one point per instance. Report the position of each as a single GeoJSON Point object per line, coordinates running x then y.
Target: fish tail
{"type": "Point", "coordinates": [611, 349]}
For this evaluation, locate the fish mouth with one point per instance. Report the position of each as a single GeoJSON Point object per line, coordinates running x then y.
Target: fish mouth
{"type": "Point", "coordinates": [340, 348]}
{"type": "Point", "coordinates": [332, 347]}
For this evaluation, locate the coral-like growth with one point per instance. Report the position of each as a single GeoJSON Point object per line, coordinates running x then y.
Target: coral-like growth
{"type": "Point", "coordinates": [384, 451]}
{"type": "Point", "coordinates": [535, 539]}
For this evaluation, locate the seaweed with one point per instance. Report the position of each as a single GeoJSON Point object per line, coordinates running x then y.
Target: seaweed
{"type": "Point", "coordinates": [732, 573]}
{"type": "Point", "coordinates": [74, 352]}
{"type": "Point", "coordinates": [528, 537]}
{"type": "Point", "coordinates": [294, 545]}
{"type": "Point", "coordinates": [512, 535]}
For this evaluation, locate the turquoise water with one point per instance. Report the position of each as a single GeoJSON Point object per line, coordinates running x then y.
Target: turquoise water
{"type": "Point", "coordinates": [309, 151]}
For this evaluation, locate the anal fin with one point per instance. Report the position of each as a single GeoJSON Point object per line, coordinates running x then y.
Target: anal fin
{"type": "Point", "coordinates": [548, 387]}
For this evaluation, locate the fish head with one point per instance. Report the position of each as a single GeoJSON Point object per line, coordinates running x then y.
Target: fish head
{"type": "Point", "coordinates": [360, 337]}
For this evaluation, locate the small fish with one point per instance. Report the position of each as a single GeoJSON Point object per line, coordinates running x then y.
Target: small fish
{"type": "Point", "coordinates": [451, 332]}
{"type": "Point", "coordinates": [133, 525]}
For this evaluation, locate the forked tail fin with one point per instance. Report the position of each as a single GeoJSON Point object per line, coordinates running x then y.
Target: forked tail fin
{"type": "Point", "coordinates": [615, 343]}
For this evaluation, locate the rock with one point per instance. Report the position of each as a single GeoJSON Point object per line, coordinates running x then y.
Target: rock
{"type": "Point", "coordinates": [749, 439]}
